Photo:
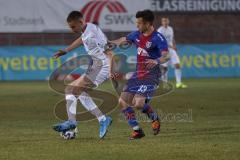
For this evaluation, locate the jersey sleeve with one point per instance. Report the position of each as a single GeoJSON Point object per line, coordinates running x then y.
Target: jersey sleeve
{"type": "Point", "coordinates": [172, 32]}
{"type": "Point", "coordinates": [159, 30]}
{"type": "Point", "coordinates": [132, 36]}
{"type": "Point", "coordinates": [161, 43]}
{"type": "Point", "coordinates": [101, 35]}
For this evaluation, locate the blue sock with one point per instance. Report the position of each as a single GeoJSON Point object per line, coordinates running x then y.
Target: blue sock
{"type": "Point", "coordinates": [130, 117]}
{"type": "Point", "coordinates": [147, 109]}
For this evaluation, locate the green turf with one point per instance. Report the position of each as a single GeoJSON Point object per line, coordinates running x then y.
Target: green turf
{"type": "Point", "coordinates": [211, 130]}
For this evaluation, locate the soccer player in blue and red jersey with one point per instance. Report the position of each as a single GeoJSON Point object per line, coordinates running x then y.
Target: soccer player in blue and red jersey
{"type": "Point", "coordinates": [152, 50]}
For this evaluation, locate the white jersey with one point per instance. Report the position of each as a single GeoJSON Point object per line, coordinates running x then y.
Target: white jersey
{"type": "Point", "coordinates": [94, 41]}
{"type": "Point", "coordinates": [167, 33]}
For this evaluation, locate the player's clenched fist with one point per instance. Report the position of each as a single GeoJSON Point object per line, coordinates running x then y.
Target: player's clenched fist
{"type": "Point", "coordinates": [114, 76]}
{"type": "Point", "coordinates": [59, 54]}
{"type": "Point", "coordinates": [150, 63]}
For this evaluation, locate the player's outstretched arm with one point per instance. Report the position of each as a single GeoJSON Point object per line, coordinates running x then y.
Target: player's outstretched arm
{"type": "Point", "coordinates": [165, 57]}
{"type": "Point", "coordinates": [150, 63]}
{"type": "Point", "coordinates": [118, 41]}
{"type": "Point", "coordinates": [72, 46]}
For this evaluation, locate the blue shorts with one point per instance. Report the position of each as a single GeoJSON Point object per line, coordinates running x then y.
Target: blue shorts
{"type": "Point", "coordinates": [144, 86]}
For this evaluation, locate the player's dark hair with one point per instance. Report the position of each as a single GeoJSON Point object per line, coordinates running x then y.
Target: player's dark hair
{"type": "Point", "coordinates": [146, 15]}
{"type": "Point", "coordinates": [96, 23]}
{"type": "Point", "coordinates": [74, 15]}
{"type": "Point", "coordinates": [166, 17]}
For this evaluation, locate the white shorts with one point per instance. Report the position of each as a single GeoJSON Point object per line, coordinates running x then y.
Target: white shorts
{"type": "Point", "coordinates": [174, 58]}
{"type": "Point", "coordinates": [98, 73]}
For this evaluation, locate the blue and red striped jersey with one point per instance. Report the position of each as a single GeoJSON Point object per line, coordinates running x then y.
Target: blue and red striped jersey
{"type": "Point", "coordinates": [148, 47]}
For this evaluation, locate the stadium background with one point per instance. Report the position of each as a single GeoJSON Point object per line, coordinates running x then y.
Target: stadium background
{"type": "Point", "coordinates": [200, 122]}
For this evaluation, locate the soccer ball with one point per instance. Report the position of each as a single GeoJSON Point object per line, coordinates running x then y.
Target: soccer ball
{"type": "Point", "coordinates": [68, 135]}
{"type": "Point", "coordinates": [71, 134]}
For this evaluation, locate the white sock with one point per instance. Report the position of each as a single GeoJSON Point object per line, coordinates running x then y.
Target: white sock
{"type": "Point", "coordinates": [71, 106]}
{"type": "Point", "coordinates": [178, 75]}
{"type": "Point", "coordinates": [165, 76]}
{"type": "Point", "coordinates": [136, 128]}
{"type": "Point", "coordinates": [90, 105]}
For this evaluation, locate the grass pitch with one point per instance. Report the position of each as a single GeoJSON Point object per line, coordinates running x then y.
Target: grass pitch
{"type": "Point", "coordinates": [201, 122]}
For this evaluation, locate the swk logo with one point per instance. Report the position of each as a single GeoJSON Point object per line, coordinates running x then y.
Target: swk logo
{"type": "Point", "coordinates": [93, 9]}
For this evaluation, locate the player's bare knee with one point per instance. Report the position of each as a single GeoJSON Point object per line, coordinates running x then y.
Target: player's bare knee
{"type": "Point", "coordinates": [123, 103]}
{"type": "Point", "coordinates": [72, 90]}
{"type": "Point", "coordinates": [76, 91]}
{"type": "Point", "coordinates": [177, 66]}
{"type": "Point", "coordinates": [164, 69]}
{"type": "Point", "coordinates": [69, 90]}
{"type": "Point", "coordinates": [139, 104]}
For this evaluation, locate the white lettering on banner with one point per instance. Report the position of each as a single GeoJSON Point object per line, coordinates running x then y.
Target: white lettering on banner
{"type": "Point", "coordinates": [112, 15]}
{"type": "Point", "coordinates": [174, 6]}
{"type": "Point", "coordinates": [119, 19]}
{"type": "Point", "coordinates": [43, 16]}
{"type": "Point", "coordinates": [195, 5]}
{"type": "Point", "coordinates": [238, 4]}
{"type": "Point", "coordinates": [12, 21]}
{"type": "Point", "coordinates": [190, 5]}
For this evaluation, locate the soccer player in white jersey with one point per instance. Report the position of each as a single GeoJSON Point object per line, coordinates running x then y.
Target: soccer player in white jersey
{"type": "Point", "coordinates": [94, 41]}
{"type": "Point", "coordinates": [174, 61]}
